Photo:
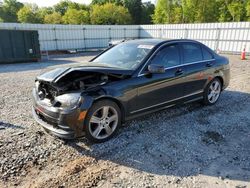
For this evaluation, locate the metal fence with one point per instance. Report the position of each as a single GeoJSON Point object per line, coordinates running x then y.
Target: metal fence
{"type": "Point", "coordinates": [226, 37]}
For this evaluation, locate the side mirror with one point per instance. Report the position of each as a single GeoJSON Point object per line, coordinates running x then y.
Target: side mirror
{"type": "Point", "coordinates": [154, 68]}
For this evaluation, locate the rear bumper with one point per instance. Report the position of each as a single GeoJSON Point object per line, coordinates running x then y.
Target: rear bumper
{"type": "Point", "coordinates": [62, 123]}
{"type": "Point", "coordinates": [226, 78]}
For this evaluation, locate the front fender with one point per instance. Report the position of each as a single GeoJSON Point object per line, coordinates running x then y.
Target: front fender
{"type": "Point", "coordinates": [89, 100]}
{"type": "Point", "coordinates": [87, 103]}
{"type": "Point", "coordinates": [90, 96]}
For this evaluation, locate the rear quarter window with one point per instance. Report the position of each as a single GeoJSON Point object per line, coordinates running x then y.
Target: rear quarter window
{"type": "Point", "coordinates": [206, 54]}
{"type": "Point", "coordinates": [191, 52]}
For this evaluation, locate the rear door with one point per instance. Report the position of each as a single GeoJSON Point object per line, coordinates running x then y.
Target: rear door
{"type": "Point", "coordinates": [195, 66]}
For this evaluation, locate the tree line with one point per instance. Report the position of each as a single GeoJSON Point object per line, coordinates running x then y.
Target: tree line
{"type": "Point", "coordinates": [201, 11]}
{"type": "Point", "coordinates": [67, 12]}
{"type": "Point", "coordinates": [127, 12]}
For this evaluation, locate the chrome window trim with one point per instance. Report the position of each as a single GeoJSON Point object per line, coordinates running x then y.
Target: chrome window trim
{"type": "Point", "coordinates": [162, 46]}
{"type": "Point", "coordinates": [155, 105]}
{"type": "Point", "coordinates": [191, 63]}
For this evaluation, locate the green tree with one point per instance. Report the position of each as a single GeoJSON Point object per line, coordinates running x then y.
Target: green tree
{"type": "Point", "coordinates": [248, 10]}
{"type": "Point", "coordinates": [147, 12]}
{"type": "Point", "coordinates": [73, 16]}
{"type": "Point", "coordinates": [236, 9]}
{"type": "Point", "coordinates": [102, 2]}
{"type": "Point", "coordinates": [45, 11]}
{"type": "Point", "coordinates": [54, 18]}
{"type": "Point", "coordinates": [189, 10]}
{"type": "Point", "coordinates": [135, 9]}
{"type": "Point", "coordinates": [224, 14]}
{"type": "Point", "coordinates": [177, 12]}
{"type": "Point", "coordinates": [109, 14]}
{"type": "Point", "coordinates": [177, 15]}
{"type": "Point", "coordinates": [64, 5]}
{"type": "Point", "coordinates": [29, 14]}
{"type": "Point", "coordinates": [206, 11]}
{"type": "Point", "coordinates": [198, 11]}
{"type": "Point", "coordinates": [9, 9]}
{"type": "Point", "coordinates": [42, 12]}
{"type": "Point", "coordinates": [163, 12]}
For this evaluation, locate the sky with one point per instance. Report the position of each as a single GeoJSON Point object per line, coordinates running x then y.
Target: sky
{"type": "Point", "coordinates": [47, 3]}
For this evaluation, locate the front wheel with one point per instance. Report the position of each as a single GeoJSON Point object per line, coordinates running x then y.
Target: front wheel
{"type": "Point", "coordinates": [212, 92]}
{"type": "Point", "coordinates": [103, 120]}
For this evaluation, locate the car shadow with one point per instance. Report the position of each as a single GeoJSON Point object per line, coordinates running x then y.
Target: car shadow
{"type": "Point", "coordinates": [184, 141]}
{"type": "Point", "coordinates": [4, 125]}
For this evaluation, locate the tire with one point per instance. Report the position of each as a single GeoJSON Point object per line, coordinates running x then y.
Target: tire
{"type": "Point", "coordinates": [102, 121]}
{"type": "Point", "coordinates": [215, 87]}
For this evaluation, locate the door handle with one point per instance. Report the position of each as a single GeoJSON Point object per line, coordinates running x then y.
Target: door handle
{"type": "Point", "coordinates": [179, 72]}
{"type": "Point", "coordinates": [209, 64]}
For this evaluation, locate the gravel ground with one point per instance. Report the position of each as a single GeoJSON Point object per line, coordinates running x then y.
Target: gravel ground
{"type": "Point", "coordinates": [187, 146]}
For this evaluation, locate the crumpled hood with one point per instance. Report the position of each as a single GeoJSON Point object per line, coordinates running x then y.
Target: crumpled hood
{"type": "Point", "coordinates": [56, 74]}
{"type": "Point", "coordinates": [51, 75]}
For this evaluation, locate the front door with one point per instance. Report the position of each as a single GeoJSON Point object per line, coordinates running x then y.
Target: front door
{"type": "Point", "coordinates": [155, 90]}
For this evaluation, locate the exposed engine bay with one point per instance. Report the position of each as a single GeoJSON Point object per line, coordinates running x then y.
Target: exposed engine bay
{"type": "Point", "coordinates": [74, 81]}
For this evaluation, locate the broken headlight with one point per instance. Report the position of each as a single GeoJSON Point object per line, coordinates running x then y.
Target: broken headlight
{"type": "Point", "coordinates": [69, 100]}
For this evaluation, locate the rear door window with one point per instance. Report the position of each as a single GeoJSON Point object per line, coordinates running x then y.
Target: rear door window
{"type": "Point", "coordinates": [191, 52]}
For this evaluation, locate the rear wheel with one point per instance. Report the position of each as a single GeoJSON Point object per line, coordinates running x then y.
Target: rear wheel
{"type": "Point", "coordinates": [212, 92]}
{"type": "Point", "coordinates": [103, 120]}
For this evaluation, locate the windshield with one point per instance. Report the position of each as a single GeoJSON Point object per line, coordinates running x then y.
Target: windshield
{"type": "Point", "coordinates": [124, 56]}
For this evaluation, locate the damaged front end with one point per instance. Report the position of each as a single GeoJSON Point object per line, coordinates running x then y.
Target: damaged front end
{"type": "Point", "coordinates": [61, 98]}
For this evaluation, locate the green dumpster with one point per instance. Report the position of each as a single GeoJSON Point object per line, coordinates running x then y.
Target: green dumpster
{"type": "Point", "coordinates": [19, 46]}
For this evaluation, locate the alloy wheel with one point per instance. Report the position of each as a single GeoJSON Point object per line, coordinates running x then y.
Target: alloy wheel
{"type": "Point", "coordinates": [103, 122]}
{"type": "Point", "coordinates": [214, 91]}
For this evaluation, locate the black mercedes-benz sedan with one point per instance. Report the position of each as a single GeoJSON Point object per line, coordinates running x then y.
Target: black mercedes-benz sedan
{"type": "Point", "coordinates": [125, 81]}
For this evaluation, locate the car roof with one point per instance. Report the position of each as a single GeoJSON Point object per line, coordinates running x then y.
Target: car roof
{"type": "Point", "coordinates": [146, 41]}
{"type": "Point", "coordinates": [155, 42]}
